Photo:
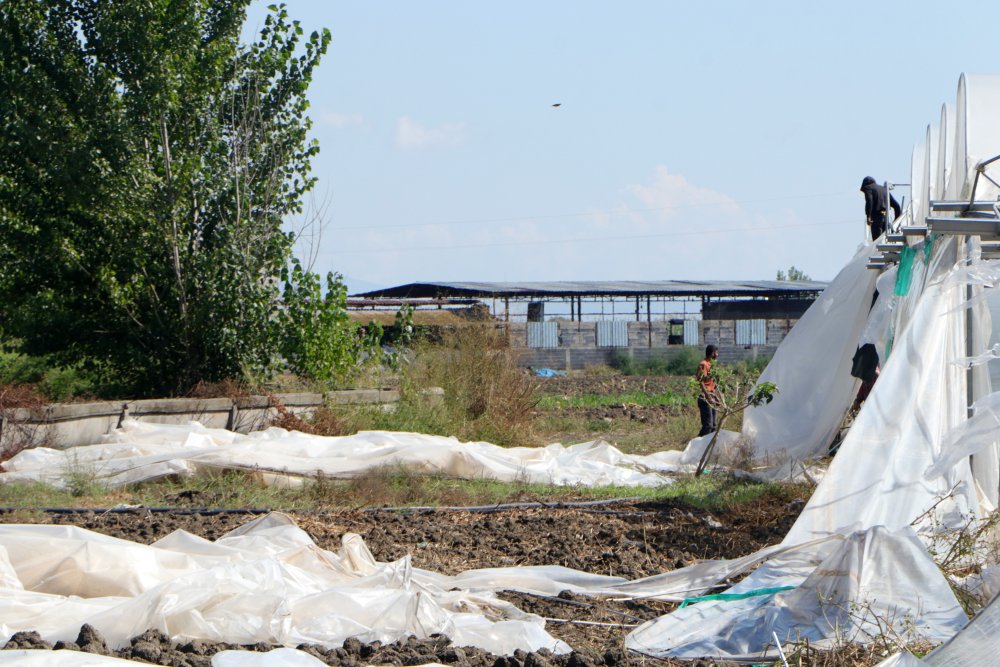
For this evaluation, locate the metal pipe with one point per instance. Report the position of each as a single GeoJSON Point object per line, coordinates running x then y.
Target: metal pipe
{"type": "Point", "coordinates": [888, 200]}
{"type": "Point", "coordinates": [969, 352]}
{"type": "Point", "coordinates": [649, 322]}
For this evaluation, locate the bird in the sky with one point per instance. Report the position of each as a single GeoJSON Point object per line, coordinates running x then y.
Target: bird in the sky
{"type": "Point", "coordinates": [557, 104]}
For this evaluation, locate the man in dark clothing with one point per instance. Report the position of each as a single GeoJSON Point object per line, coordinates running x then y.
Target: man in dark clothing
{"type": "Point", "coordinates": [877, 204]}
{"type": "Point", "coordinates": [865, 367]}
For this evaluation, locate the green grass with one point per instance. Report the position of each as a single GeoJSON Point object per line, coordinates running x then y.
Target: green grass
{"type": "Point", "coordinates": [666, 398]}
{"type": "Point", "coordinates": [391, 487]}
{"type": "Point", "coordinates": [630, 436]}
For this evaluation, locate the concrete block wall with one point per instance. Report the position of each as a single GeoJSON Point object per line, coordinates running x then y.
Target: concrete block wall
{"type": "Point", "coordinates": [577, 358]}
{"type": "Point", "coordinates": [584, 334]}
{"type": "Point", "coordinates": [578, 343]}
{"type": "Point", "coordinates": [723, 332]}
{"type": "Point", "coordinates": [70, 425]}
{"type": "Point", "coordinates": [777, 330]}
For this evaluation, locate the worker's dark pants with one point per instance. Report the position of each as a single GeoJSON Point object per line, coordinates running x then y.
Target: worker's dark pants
{"type": "Point", "coordinates": [707, 417]}
{"type": "Point", "coordinates": [878, 226]}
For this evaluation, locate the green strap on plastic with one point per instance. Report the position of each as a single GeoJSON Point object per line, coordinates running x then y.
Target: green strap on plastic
{"type": "Point", "coordinates": [904, 274]}
{"type": "Point", "coordinates": [735, 596]}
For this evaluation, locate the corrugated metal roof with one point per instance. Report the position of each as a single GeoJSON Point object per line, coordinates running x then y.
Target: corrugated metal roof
{"type": "Point", "coordinates": [716, 288]}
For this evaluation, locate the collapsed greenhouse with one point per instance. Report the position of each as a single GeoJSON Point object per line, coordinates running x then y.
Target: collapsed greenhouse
{"type": "Point", "coordinates": [919, 462]}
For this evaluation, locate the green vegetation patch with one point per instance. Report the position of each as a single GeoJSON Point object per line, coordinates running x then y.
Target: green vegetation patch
{"type": "Point", "coordinates": [666, 398]}
{"type": "Point", "coordinates": [386, 487]}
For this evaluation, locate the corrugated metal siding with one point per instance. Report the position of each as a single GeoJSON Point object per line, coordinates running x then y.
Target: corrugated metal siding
{"type": "Point", "coordinates": [612, 334]}
{"type": "Point", "coordinates": [692, 332]}
{"type": "Point", "coordinates": [543, 334]}
{"type": "Point", "coordinates": [751, 332]}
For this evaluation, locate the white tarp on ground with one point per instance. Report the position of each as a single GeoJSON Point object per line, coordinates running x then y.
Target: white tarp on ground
{"type": "Point", "coordinates": [264, 582]}
{"type": "Point", "coordinates": [850, 589]}
{"type": "Point", "coordinates": [141, 451]}
{"type": "Point", "coordinates": [977, 644]}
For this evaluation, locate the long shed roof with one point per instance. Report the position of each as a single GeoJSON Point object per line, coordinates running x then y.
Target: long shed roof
{"type": "Point", "coordinates": [678, 288]}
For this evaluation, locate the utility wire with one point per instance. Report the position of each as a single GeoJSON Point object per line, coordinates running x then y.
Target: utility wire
{"type": "Point", "coordinates": [602, 239]}
{"type": "Point", "coordinates": [615, 211]}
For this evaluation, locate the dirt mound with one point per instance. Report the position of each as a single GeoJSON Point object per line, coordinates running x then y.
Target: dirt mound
{"type": "Point", "coordinates": [156, 648]}
{"type": "Point", "coordinates": [626, 539]}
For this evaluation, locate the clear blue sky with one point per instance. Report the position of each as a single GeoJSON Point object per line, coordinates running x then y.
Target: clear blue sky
{"type": "Point", "coordinates": [695, 140]}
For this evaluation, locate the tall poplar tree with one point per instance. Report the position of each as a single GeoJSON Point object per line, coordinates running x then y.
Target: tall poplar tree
{"type": "Point", "coordinates": [147, 160]}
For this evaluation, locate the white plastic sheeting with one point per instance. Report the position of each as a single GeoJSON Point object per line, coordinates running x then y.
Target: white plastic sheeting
{"type": "Point", "coordinates": [919, 397]}
{"type": "Point", "coordinates": [850, 588]}
{"type": "Point", "coordinates": [264, 582]}
{"type": "Point", "coordinates": [905, 463]}
{"type": "Point", "coordinates": [854, 558]}
{"type": "Point", "coordinates": [141, 451]}
{"type": "Point", "coordinates": [877, 482]}
{"type": "Point", "coordinates": [875, 488]}
{"type": "Point", "coordinates": [812, 370]}
{"type": "Point", "coordinates": [977, 644]}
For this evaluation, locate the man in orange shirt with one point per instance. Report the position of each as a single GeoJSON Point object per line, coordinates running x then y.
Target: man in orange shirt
{"type": "Point", "coordinates": [709, 396]}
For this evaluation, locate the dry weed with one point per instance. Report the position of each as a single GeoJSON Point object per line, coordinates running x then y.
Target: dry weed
{"type": "Point", "coordinates": [489, 395]}
{"type": "Point", "coordinates": [740, 454]}
{"type": "Point", "coordinates": [322, 421]}
{"type": "Point", "coordinates": [225, 389]}
{"type": "Point", "coordinates": [19, 433]}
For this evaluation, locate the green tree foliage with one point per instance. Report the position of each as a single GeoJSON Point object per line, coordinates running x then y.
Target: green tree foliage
{"type": "Point", "coordinates": [793, 275]}
{"type": "Point", "coordinates": [147, 160]}
{"type": "Point", "coordinates": [319, 341]}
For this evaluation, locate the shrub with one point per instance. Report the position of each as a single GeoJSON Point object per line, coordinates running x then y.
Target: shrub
{"type": "Point", "coordinates": [317, 338]}
{"type": "Point", "coordinates": [487, 395]}
{"type": "Point", "coordinates": [17, 434]}
{"type": "Point", "coordinates": [682, 361]}
{"type": "Point", "coordinates": [54, 383]}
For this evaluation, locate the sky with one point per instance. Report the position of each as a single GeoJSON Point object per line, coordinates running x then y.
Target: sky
{"type": "Point", "coordinates": [716, 140]}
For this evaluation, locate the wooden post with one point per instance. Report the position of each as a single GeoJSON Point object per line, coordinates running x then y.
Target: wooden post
{"type": "Point", "coordinates": [233, 414]}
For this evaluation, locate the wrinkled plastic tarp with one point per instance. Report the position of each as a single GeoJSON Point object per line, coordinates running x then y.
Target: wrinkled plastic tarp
{"type": "Point", "coordinates": [140, 451]}
{"type": "Point", "coordinates": [264, 582]}
{"type": "Point", "coordinates": [812, 370]}
{"type": "Point", "coordinates": [849, 588]}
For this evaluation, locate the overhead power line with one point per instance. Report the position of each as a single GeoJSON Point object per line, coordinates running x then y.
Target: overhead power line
{"type": "Point", "coordinates": [556, 216]}
{"type": "Point", "coordinates": [603, 239]}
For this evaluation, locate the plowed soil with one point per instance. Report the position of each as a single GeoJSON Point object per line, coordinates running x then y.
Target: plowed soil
{"type": "Point", "coordinates": [625, 539]}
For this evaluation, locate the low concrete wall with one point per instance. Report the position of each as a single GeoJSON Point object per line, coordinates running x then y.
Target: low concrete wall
{"type": "Point", "coordinates": [74, 424]}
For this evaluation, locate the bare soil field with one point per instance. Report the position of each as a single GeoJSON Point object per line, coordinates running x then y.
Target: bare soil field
{"type": "Point", "coordinates": [628, 539]}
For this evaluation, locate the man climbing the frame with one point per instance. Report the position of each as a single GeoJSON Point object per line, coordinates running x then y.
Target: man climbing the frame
{"type": "Point", "coordinates": [708, 398]}
{"type": "Point", "coordinates": [877, 204]}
